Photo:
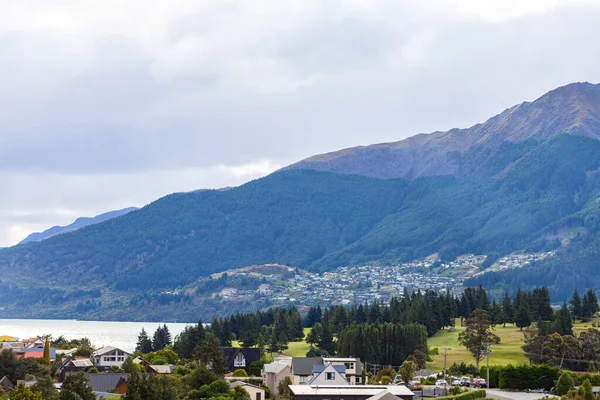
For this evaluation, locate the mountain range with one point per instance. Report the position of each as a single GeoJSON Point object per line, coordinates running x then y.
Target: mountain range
{"type": "Point", "coordinates": [77, 224]}
{"type": "Point", "coordinates": [527, 179]}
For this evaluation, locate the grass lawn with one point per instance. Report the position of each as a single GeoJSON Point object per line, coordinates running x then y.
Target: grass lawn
{"type": "Point", "coordinates": [508, 351]}
{"type": "Point", "coordinates": [298, 349]}
{"type": "Point", "coordinates": [295, 349]}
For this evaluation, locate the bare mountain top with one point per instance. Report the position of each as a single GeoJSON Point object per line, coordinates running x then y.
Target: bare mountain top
{"type": "Point", "coordinates": [573, 109]}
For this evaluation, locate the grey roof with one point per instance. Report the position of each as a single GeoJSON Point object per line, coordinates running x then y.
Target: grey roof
{"type": "Point", "coordinates": [304, 365]}
{"type": "Point", "coordinates": [385, 395]}
{"type": "Point", "coordinates": [318, 368]}
{"type": "Point", "coordinates": [105, 382]}
{"type": "Point", "coordinates": [274, 367]}
{"type": "Point", "coordinates": [82, 363]}
{"type": "Point", "coordinates": [239, 383]}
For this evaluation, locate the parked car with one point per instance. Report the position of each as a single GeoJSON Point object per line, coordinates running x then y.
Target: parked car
{"type": "Point", "coordinates": [440, 383]}
{"type": "Point", "coordinates": [465, 381]}
{"type": "Point", "coordinates": [480, 383]}
{"type": "Point", "coordinates": [455, 382]}
{"type": "Point", "coordinates": [536, 391]}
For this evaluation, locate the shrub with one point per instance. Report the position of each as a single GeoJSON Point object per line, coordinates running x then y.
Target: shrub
{"type": "Point", "coordinates": [239, 373]}
{"type": "Point", "coordinates": [255, 368]}
{"type": "Point", "coordinates": [587, 390]}
{"type": "Point", "coordinates": [564, 384]}
{"type": "Point", "coordinates": [471, 395]}
{"type": "Point", "coordinates": [522, 377]}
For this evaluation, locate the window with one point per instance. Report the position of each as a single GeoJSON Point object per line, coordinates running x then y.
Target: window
{"type": "Point", "coordinates": [329, 376]}
{"type": "Point", "coordinates": [303, 379]}
{"type": "Point", "coordinates": [358, 379]}
{"type": "Point", "coordinates": [258, 396]}
{"type": "Point", "coordinates": [349, 365]}
{"type": "Point", "coordinates": [240, 360]}
{"type": "Point", "coordinates": [120, 359]}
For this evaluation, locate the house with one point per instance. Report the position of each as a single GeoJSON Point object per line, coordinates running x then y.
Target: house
{"type": "Point", "coordinates": [302, 369]}
{"type": "Point", "coordinates": [109, 357]}
{"type": "Point", "coordinates": [72, 365]}
{"type": "Point", "coordinates": [240, 358]}
{"type": "Point", "coordinates": [276, 371]}
{"type": "Point", "coordinates": [34, 352]}
{"type": "Point", "coordinates": [352, 365]}
{"type": "Point", "coordinates": [255, 392]}
{"type": "Point", "coordinates": [329, 374]}
{"type": "Point", "coordinates": [154, 369]}
{"type": "Point", "coordinates": [6, 385]}
{"type": "Point", "coordinates": [108, 383]}
{"type": "Point", "coordinates": [350, 392]}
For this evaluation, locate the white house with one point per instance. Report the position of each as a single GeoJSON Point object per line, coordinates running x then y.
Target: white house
{"type": "Point", "coordinates": [329, 374]}
{"type": "Point", "coordinates": [352, 365]}
{"type": "Point", "coordinates": [109, 357]}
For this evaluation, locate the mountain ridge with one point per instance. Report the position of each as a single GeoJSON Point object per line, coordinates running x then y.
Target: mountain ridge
{"type": "Point", "coordinates": [432, 154]}
{"type": "Point", "coordinates": [79, 223]}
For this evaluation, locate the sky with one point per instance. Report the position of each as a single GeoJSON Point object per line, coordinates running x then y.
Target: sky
{"type": "Point", "coordinates": [106, 104]}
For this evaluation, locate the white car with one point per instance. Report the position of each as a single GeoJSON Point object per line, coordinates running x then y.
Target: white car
{"type": "Point", "coordinates": [441, 384]}
{"type": "Point", "coordinates": [455, 382]}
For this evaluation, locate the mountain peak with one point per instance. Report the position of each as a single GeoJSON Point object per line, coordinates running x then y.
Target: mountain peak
{"type": "Point", "coordinates": [572, 109]}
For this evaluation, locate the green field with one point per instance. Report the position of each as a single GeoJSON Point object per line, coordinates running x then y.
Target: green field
{"type": "Point", "coordinates": [298, 349]}
{"type": "Point", "coordinates": [508, 351]}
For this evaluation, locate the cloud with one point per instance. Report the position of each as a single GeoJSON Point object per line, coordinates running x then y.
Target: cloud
{"type": "Point", "coordinates": [106, 104]}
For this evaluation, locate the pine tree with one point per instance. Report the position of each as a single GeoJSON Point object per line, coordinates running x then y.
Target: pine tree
{"type": "Point", "coordinates": [576, 305]}
{"type": "Point", "coordinates": [261, 344]}
{"type": "Point", "coordinates": [563, 322]}
{"type": "Point", "coordinates": [507, 309]}
{"type": "Point", "coordinates": [144, 344]}
{"type": "Point", "coordinates": [161, 338]}
{"type": "Point", "coordinates": [326, 339]}
{"type": "Point", "coordinates": [523, 317]}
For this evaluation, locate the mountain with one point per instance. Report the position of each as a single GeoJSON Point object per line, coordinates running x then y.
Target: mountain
{"type": "Point", "coordinates": [527, 179]}
{"type": "Point", "coordinates": [78, 224]}
{"type": "Point", "coordinates": [574, 109]}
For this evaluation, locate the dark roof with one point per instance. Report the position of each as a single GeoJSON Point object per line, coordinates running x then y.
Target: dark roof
{"type": "Point", "coordinates": [6, 383]}
{"type": "Point", "coordinates": [304, 365]}
{"type": "Point", "coordinates": [105, 382]}
{"type": "Point", "coordinates": [251, 354]}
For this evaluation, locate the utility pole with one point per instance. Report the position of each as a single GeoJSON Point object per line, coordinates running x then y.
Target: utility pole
{"type": "Point", "coordinates": [445, 349]}
{"type": "Point", "coordinates": [487, 353]}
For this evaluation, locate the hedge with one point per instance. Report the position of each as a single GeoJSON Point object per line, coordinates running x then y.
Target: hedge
{"type": "Point", "coordinates": [521, 377]}
{"type": "Point", "coordinates": [494, 375]}
{"type": "Point", "coordinates": [471, 395]}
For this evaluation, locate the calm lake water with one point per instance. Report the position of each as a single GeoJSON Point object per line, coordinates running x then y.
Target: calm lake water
{"type": "Point", "coordinates": [119, 334]}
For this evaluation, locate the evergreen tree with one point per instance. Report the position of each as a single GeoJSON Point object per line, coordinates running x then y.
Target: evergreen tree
{"type": "Point", "coordinates": [76, 384]}
{"type": "Point", "coordinates": [507, 309]}
{"type": "Point", "coordinates": [209, 352]}
{"type": "Point", "coordinates": [563, 322]}
{"type": "Point", "coordinates": [326, 339]}
{"type": "Point", "coordinates": [45, 386]}
{"type": "Point", "coordinates": [261, 344]}
{"type": "Point", "coordinates": [186, 342]}
{"type": "Point", "coordinates": [477, 334]}
{"type": "Point", "coordinates": [161, 338]}
{"type": "Point", "coordinates": [144, 344]}
{"type": "Point", "coordinates": [576, 305]}
{"type": "Point", "coordinates": [589, 305]}
{"type": "Point", "coordinates": [523, 317]}
{"type": "Point", "coordinates": [46, 354]}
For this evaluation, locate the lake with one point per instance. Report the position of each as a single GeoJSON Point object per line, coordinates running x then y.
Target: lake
{"type": "Point", "coordinates": [101, 333]}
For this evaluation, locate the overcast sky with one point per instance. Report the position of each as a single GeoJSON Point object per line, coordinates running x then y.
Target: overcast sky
{"type": "Point", "coordinates": [106, 104]}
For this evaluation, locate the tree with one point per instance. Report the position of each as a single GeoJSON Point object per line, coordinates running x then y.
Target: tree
{"type": "Point", "coordinates": [522, 317]}
{"type": "Point", "coordinates": [46, 354]}
{"type": "Point", "coordinates": [261, 344]}
{"type": "Point", "coordinates": [407, 370]}
{"type": "Point", "coordinates": [161, 338]}
{"type": "Point", "coordinates": [186, 342]}
{"type": "Point", "coordinates": [587, 390]}
{"type": "Point", "coordinates": [76, 384]}
{"type": "Point", "coordinates": [282, 341]}
{"type": "Point", "coordinates": [507, 309]}
{"type": "Point", "coordinates": [199, 377]}
{"type": "Point", "coordinates": [563, 323]}
{"type": "Point", "coordinates": [137, 387]}
{"type": "Point", "coordinates": [589, 305]}
{"type": "Point", "coordinates": [312, 338]}
{"type": "Point", "coordinates": [564, 384]}
{"type": "Point", "coordinates": [326, 339]}
{"type": "Point", "coordinates": [210, 353]}
{"type": "Point", "coordinates": [284, 387]}
{"type": "Point", "coordinates": [477, 334]}
{"type": "Point", "coordinates": [576, 305]}
{"type": "Point", "coordinates": [45, 386]}
{"type": "Point", "coordinates": [144, 344]}
{"type": "Point", "coordinates": [240, 373]}
{"type": "Point", "coordinates": [21, 392]}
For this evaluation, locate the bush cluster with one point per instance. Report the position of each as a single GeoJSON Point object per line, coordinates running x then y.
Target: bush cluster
{"type": "Point", "coordinates": [470, 395]}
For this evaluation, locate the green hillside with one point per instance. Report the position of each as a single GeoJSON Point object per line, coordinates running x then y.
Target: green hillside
{"type": "Point", "coordinates": [518, 196]}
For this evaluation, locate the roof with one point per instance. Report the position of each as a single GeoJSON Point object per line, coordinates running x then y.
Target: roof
{"type": "Point", "coordinates": [349, 390]}
{"type": "Point", "coordinates": [6, 383]}
{"type": "Point", "coordinates": [304, 365]}
{"type": "Point", "coordinates": [238, 383]}
{"type": "Point", "coordinates": [162, 369]}
{"type": "Point", "coordinates": [385, 395]}
{"type": "Point", "coordinates": [107, 349]}
{"type": "Point", "coordinates": [35, 352]}
{"type": "Point", "coordinates": [251, 354]}
{"type": "Point", "coordinates": [358, 366]}
{"type": "Point", "coordinates": [82, 363]}
{"type": "Point", "coordinates": [318, 368]}
{"type": "Point", "coordinates": [105, 382]}
{"type": "Point", "coordinates": [275, 367]}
